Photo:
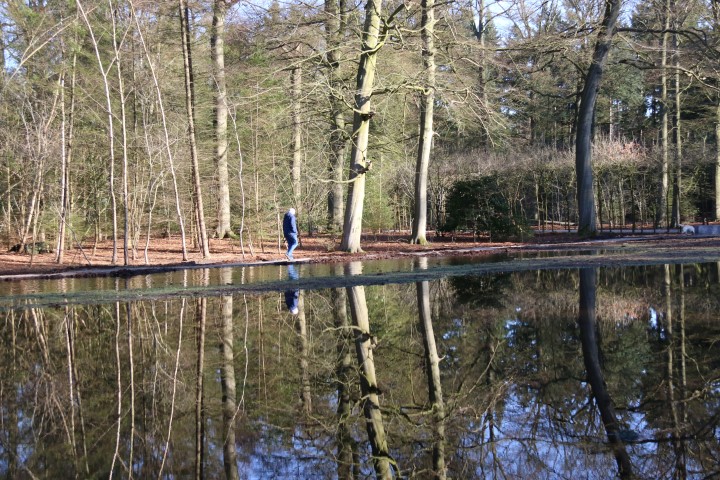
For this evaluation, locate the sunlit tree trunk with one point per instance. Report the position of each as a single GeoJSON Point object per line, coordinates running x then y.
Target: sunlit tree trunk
{"type": "Point", "coordinates": [677, 163]}
{"type": "Point", "coordinates": [110, 128]}
{"type": "Point", "coordinates": [190, 108]}
{"type": "Point", "coordinates": [124, 136]}
{"type": "Point", "coordinates": [352, 225]}
{"type": "Point", "coordinates": [591, 355]}
{"type": "Point", "coordinates": [166, 142]}
{"type": "Point", "coordinates": [432, 367]}
{"type": "Point", "coordinates": [664, 130]}
{"type": "Point", "coordinates": [583, 143]}
{"type": "Point", "coordinates": [427, 105]}
{"type": "Point", "coordinates": [227, 382]}
{"type": "Point", "coordinates": [296, 81]}
{"type": "Point", "coordinates": [217, 47]}
{"type": "Point", "coordinates": [67, 133]}
{"type": "Point", "coordinates": [334, 29]}
{"type": "Point", "coordinates": [364, 344]}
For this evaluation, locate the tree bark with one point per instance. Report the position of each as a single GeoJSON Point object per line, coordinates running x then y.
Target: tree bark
{"type": "Point", "coordinates": [334, 28]}
{"type": "Point", "coordinates": [664, 132]}
{"type": "Point", "coordinates": [68, 129]}
{"type": "Point", "coordinates": [110, 129]}
{"type": "Point", "coordinates": [352, 225]}
{"type": "Point", "coordinates": [677, 163]}
{"type": "Point", "coordinates": [587, 224]}
{"type": "Point", "coordinates": [217, 47]}
{"type": "Point", "coordinates": [427, 104]}
{"type": "Point", "coordinates": [166, 143]}
{"type": "Point", "coordinates": [190, 107]}
{"type": "Point", "coordinates": [296, 81]}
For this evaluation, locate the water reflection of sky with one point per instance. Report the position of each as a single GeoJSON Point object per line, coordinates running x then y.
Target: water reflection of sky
{"type": "Point", "coordinates": [516, 399]}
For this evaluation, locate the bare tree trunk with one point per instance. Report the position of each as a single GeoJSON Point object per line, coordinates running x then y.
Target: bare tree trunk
{"type": "Point", "coordinates": [427, 105]}
{"type": "Point", "coordinates": [68, 129]}
{"type": "Point", "coordinates": [296, 81]}
{"type": "Point", "coordinates": [110, 129]}
{"type": "Point", "coordinates": [334, 28]}
{"type": "Point", "coordinates": [123, 124]}
{"type": "Point", "coordinates": [168, 150]}
{"type": "Point", "coordinates": [217, 46]}
{"type": "Point", "coordinates": [432, 367]}
{"type": "Point", "coordinates": [242, 187]}
{"type": "Point", "coordinates": [227, 382]}
{"type": "Point", "coordinates": [364, 344]}
{"type": "Point", "coordinates": [664, 132]}
{"type": "Point", "coordinates": [587, 224]}
{"type": "Point", "coordinates": [190, 107]}
{"type": "Point", "coordinates": [591, 356]}
{"type": "Point", "coordinates": [677, 164]}
{"type": "Point", "coordinates": [352, 225]}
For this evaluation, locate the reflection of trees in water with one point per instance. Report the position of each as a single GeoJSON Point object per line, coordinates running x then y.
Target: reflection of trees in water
{"type": "Point", "coordinates": [510, 376]}
{"type": "Point", "coordinates": [365, 342]}
{"type": "Point", "coordinates": [432, 368]}
{"type": "Point", "coordinates": [591, 357]}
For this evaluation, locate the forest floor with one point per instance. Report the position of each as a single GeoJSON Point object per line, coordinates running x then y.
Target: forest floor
{"type": "Point", "coordinates": [167, 253]}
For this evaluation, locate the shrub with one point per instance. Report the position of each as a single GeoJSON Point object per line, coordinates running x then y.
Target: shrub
{"type": "Point", "coordinates": [479, 205]}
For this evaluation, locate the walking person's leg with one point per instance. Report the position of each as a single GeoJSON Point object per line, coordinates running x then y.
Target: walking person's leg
{"type": "Point", "coordinates": [292, 242]}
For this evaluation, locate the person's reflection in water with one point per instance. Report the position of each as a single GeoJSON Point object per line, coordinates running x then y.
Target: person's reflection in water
{"type": "Point", "coordinates": [292, 297]}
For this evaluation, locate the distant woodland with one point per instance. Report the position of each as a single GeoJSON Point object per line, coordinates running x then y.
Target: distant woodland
{"type": "Point", "coordinates": [133, 120]}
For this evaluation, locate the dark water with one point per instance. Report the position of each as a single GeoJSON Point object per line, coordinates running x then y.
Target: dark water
{"type": "Point", "coordinates": [541, 374]}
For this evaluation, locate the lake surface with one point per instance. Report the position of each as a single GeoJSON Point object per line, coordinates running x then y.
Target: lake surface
{"type": "Point", "coordinates": [535, 373]}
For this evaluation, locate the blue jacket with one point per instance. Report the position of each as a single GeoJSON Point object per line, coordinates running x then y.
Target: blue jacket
{"type": "Point", "coordinates": [289, 225]}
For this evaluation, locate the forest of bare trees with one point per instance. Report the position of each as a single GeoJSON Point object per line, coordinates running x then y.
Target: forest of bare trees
{"type": "Point", "coordinates": [131, 120]}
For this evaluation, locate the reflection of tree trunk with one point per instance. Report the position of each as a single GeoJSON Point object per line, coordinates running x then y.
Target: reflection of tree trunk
{"type": "Point", "coordinates": [432, 365]}
{"type": "Point", "coordinates": [364, 344]}
{"type": "Point", "coordinates": [75, 399]}
{"type": "Point", "coordinates": [118, 366]}
{"type": "Point", "coordinates": [301, 325]}
{"type": "Point", "coordinates": [11, 405]}
{"type": "Point", "coordinates": [227, 383]}
{"type": "Point", "coordinates": [199, 400]}
{"type": "Point", "coordinates": [673, 403]}
{"type": "Point", "coordinates": [131, 365]}
{"type": "Point", "coordinates": [346, 444]}
{"type": "Point", "coordinates": [591, 356]}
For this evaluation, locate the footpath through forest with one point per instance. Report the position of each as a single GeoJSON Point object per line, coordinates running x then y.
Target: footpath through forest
{"type": "Point", "coordinates": [166, 253]}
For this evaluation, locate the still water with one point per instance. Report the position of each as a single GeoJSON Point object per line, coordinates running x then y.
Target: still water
{"type": "Point", "coordinates": [593, 373]}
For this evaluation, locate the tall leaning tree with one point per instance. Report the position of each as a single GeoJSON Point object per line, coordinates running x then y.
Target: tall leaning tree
{"type": "Point", "coordinates": [190, 106]}
{"type": "Point", "coordinates": [587, 222]}
{"type": "Point", "coordinates": [373, 38]}
{"type": "Point", "coordinates": [427, 101]}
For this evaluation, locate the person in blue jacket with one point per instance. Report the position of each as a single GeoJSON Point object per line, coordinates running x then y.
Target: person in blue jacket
{"type": "Point", "coordinates": [290, 231]}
